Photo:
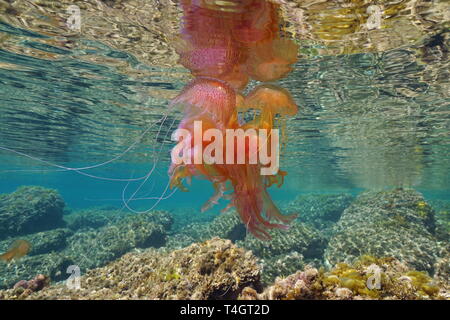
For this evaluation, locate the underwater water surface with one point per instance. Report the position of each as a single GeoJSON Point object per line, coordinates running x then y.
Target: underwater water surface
{"type": "Point", "coordinates": [87, 117]}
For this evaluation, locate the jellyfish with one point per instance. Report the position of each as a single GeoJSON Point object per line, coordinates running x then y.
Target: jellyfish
{"type": "Point", "coordinates": [18, 249]}
{"type": "Point", "coordinates": [212, 102]}
{"type": "Point", "coordinates": [225, 44]}
{"type": "Point", "coordinates": [270, 100]}
{"type": "Point", "coordinates": [237, 78]}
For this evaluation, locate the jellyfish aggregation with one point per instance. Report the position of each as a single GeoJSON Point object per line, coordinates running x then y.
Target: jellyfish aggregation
{"type": "Point", "coordinates": [225, 44]}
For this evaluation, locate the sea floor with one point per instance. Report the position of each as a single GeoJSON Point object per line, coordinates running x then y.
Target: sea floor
{"type": "Point", "coordinates": [390, 244]}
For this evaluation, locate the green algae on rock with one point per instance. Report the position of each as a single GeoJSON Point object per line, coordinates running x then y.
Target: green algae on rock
{"type": "Point", "coordinates": [95, 247]}
{"type": "Point", "coordinates": [397, 223]}
{"type": "Point", "coordinates": [321, 211]}
{"type": "Point", "coordinates": [94, 218]}
{"type": "Point", "coordinates": [42, 242]}
{"type": "Point", "coordinates": [30, 209]}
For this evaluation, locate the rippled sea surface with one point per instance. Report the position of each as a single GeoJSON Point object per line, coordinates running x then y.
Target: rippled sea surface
{"type": "Point", "coordinates": [85, 111]}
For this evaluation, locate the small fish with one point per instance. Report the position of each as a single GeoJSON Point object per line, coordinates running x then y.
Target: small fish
{"type": "Point", "coordinates": [18, 249]}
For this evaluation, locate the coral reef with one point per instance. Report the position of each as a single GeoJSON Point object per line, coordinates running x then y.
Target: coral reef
{"type": "Point", "coordinates": [28, 210]}
{"type": "Point", "coordinates": [397, 223]}
{"type": "Point", "coordinates": [368, 278]}
{"type": "Point", "coordinates": [321, 211]}
{"type": "Point", "coordinates": [214, 269]}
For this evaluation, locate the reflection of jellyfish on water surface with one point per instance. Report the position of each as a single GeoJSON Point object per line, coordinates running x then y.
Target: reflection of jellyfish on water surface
{"type": "Point", "coordinates": [225, 44]}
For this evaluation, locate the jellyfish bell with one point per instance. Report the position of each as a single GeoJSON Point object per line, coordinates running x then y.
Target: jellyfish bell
{"type": "Point", "coordinates": [271, 98]}
{"type": "Point", "coordinates": [207, 97]}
